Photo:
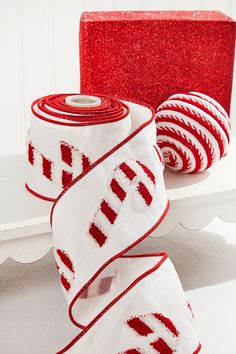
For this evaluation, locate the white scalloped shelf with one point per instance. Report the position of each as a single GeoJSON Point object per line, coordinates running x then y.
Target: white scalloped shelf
{"type": "Point", "coordinates": [195, 201]}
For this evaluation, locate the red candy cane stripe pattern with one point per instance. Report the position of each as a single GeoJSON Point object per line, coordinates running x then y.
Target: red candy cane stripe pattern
{"type": "Point", "coordinates": [193, 132]}
{"type": "Point", "coordinates": [62, 172]}
{"type": "Point", "coordinates": [39, 161]}
{"type": "Point", "coordinates": [65, 268]}
{"type": "Point", "coordinates": [75, 162]}
{"type": "Point", "coordinates": [162, 335]}
{"type": "Point", "coordinates": [125, 175]}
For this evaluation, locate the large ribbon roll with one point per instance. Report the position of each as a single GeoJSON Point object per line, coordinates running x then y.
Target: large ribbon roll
{"type": "Point", "coordinates": [97, 159]}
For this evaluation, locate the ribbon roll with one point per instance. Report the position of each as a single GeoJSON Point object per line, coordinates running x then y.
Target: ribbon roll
{"type": "Point", "coordinates": [97, 159]}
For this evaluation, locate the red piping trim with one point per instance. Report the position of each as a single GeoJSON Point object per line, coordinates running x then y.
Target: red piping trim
{"type": "Point", "coordinates": [48, 199]}
{"type": "Point", "coordinates": [77, 119]}
{"type": "Point", "coordinates": [198, 349]}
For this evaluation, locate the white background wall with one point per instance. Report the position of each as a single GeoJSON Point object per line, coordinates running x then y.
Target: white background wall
{"type": "Point", "coordinates": [39, 52]}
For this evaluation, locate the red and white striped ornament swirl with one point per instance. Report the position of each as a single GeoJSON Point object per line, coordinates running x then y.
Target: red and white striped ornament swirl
{"type": "Point", "coordinates": [193, 132]}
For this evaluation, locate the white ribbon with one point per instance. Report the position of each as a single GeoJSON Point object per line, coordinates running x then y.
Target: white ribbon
{"type": "Point", "coordinates": [113, 199]}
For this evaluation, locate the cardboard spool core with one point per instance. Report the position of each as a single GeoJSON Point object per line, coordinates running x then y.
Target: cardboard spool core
{"type": "Point", "coordinates": [82, 101]}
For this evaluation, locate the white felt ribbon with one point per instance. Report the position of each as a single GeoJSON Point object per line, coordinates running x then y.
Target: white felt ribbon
{"type": "Point", "coordinates": [104, 164]}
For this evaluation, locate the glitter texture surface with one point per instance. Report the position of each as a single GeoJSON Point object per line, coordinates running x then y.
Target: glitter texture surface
{"type": "Point", "coordinates": [147, 56]}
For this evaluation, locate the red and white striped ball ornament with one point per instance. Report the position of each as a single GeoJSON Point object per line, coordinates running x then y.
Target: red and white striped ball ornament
{"type": "Point", "coordinates": [193, 132]}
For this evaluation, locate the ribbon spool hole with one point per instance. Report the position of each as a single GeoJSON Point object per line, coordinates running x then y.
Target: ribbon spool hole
{"type": "Point", "coordinates": [82, 101]}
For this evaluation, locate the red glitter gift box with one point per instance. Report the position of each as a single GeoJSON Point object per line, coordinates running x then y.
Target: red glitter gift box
{"type": "Point", "coordinates": [147, 56]}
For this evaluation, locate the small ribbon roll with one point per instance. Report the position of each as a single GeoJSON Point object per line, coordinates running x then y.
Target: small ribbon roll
{"type": "Point", "coordinates": [114, 198]}
{"type": "Point", "coordinates": [63, 141]}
